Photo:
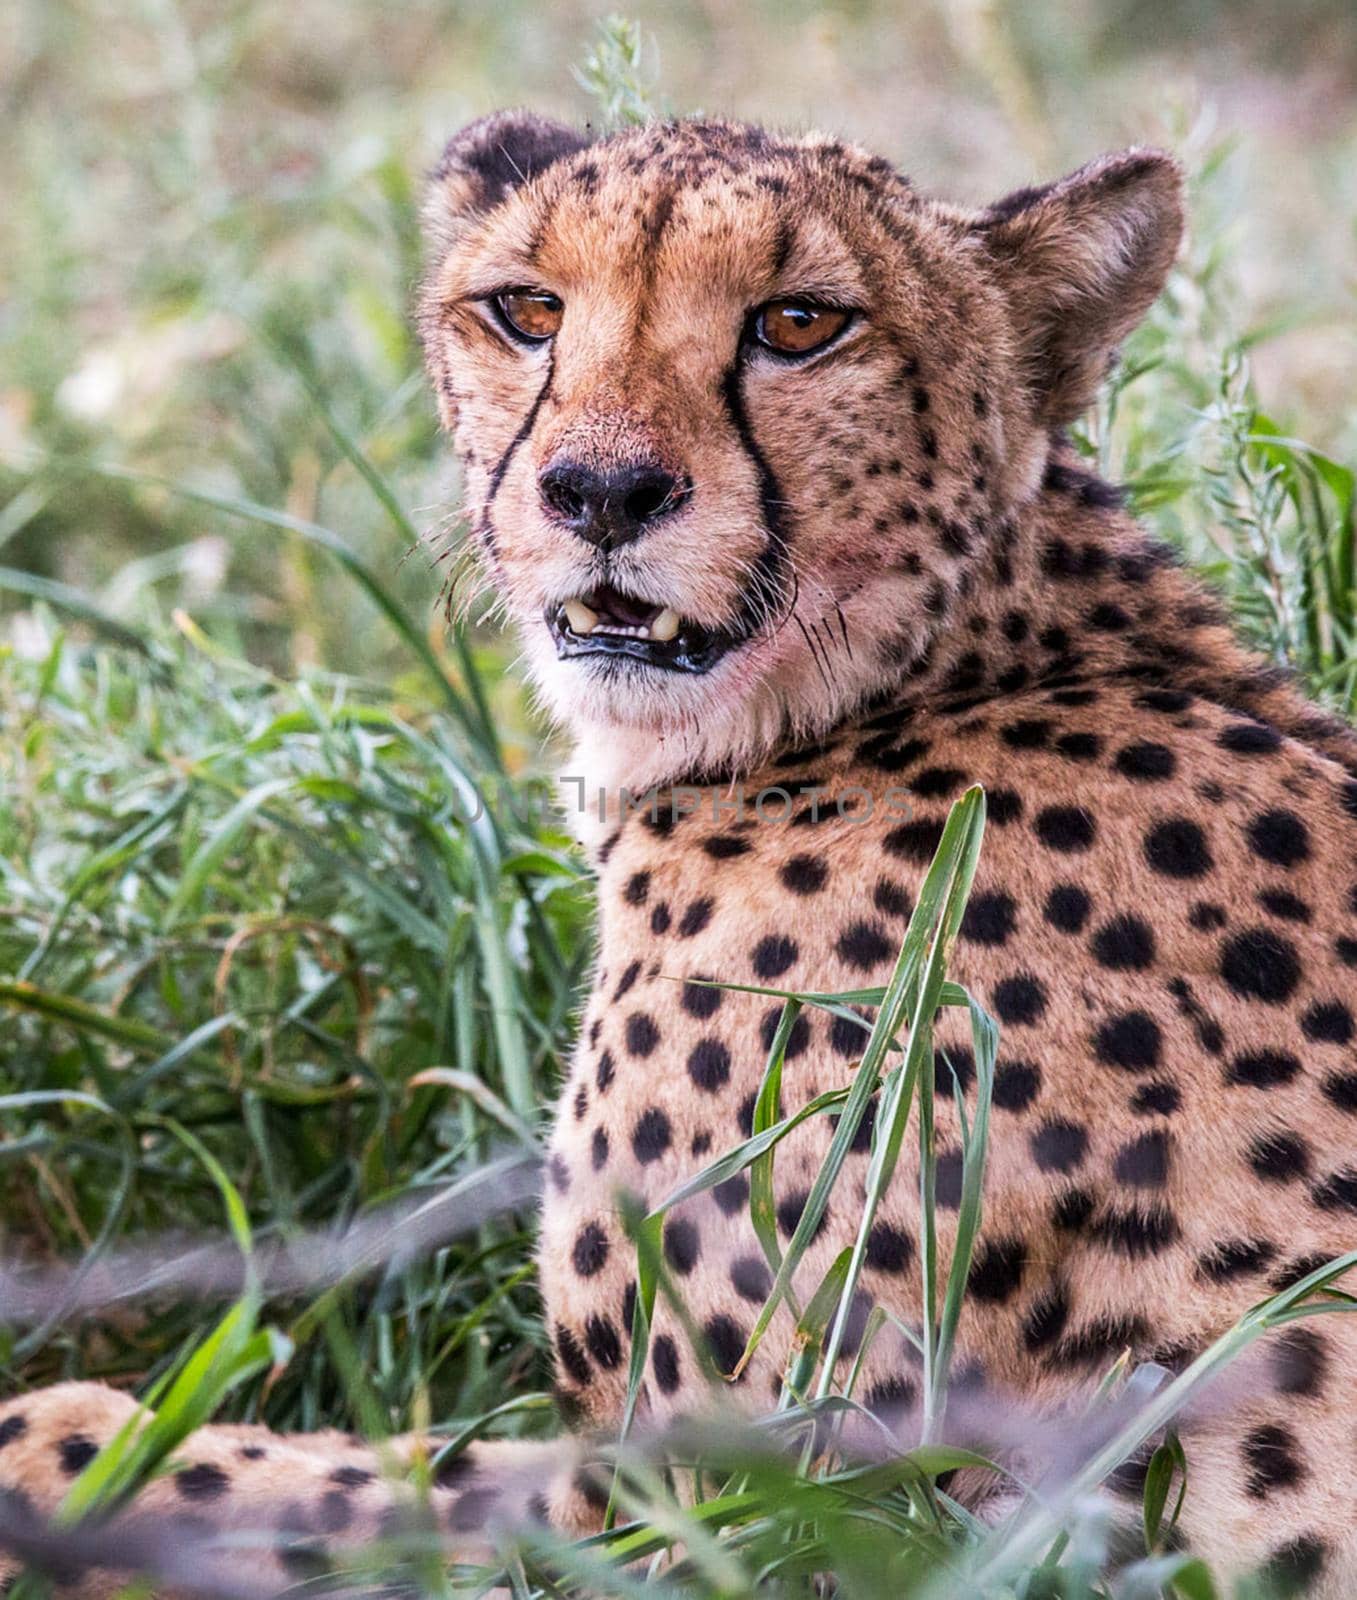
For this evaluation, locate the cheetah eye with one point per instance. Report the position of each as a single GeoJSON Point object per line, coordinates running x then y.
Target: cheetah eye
{"type": "Point", "coordinates": [796, 327]}
{"type": "Point", "coordinates": [531, 315]}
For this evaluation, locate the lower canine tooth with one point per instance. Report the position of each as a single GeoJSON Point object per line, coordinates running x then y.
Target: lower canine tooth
{"type": "Point", "coordinates": [579, 616]}
{"type": "Point", "coordinates": [666, 626]}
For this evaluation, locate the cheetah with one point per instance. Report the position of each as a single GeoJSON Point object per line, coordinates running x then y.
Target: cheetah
{"type": "Point", "coordinates": [767, 462]}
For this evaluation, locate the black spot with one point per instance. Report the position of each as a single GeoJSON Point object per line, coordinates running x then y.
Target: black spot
{"type": "Point", "coordinates": [1146, 762]}
{"type": "Point", "coordinates": [804, 874]}
{"type": "Point", "coordinates": [726, 846]}
{"type": "Point", "coordinates": [1046, 1320]}
{"type": "Point", "coordinates": [751, 1279]}
{"type": "Point", "coordinates": [955, 1063]}
{"type": "Point", "coordinates": [1262, 1069]}
{"type": "Point", "coordinates": [1341, 1089]}
{"type": "Point", "coordinates": [351, 1477]}
{"type": "Point", "coordinates": [1059, 1146]}
{"type": "Point", "coordinates": [1279, 903]}
{"type": "Point", "coordinates": [726, 1341]}
{"type": "Point", "coordinates": [638, 887]}
{"type": "Point", "coordinates": [915, 841]}
{"type": "Point", "coordinates": [581, 1102]}
{"type": "Point", "coordinates": [997, 1269]}
{"type": "Point", "coordinates": [862, 1134]}
{"type": "Point", "coordinates": [598, 1150]}
{"type": "Point", "coordinates": [1079, 746]}
{"type": "Point", "coordinates": [846, 1038]}
{"type": "Point", "coordinates": [773, 955]}
{"type": "Point", "coordinates": [1028, 734]}
{"type": "Point", "coordinates": [863, 945]}
{"type": "Point", "coordinates": [660, 919]}
{"type": "Point", "coordinates": [789, 1210]}
{"type": "Point", "coordinates": [627, 980]}
{"type": "Point", "coordinates": [1124, 944]}
{"type": "Point", "coordinates": [1156, 1099]}
{"type": "Point", "coordinates": [1235, 1258]}
{"type": "Point", "coordinates": [700, 1000]}
{"type": "Point", "coordinates": [797, 1039]}
{"type": "Point", "coordinates": [1178, 849]}
{"type": "Point", "coordinates": [1205, 916]}
{"type": "Point", "coordinates": [202, 1481]}
{"type": "Point", "coordinates": [75, 1452]}
{"type": "Point", "coordinates": [1107, 618]}
{"type": "Point", "coordinates": [605, 1072]}
{"type": "Point", "coordinates": [695, 918]}
{"type": "Point", "coordinates": [1249, 739]}
{"type": "Point", "coordinates": [1100, 1342]}
{"type": "Point", "coordinates": [1016, 1085]}
{"type": "Point", "coordinates": [1067, 907]}
{"type": "Point", "coordinates": [1299, 1362]}
{"type": "Point", "coordinates": [253, 1452]}
{"type": "Point", "coordinates": [12, 1428]}
{"type": "Point", "coordinates": [950, 1174]}
{"type": "Point", "coordinates": [1144, 1163]}
{"type": "Point", "coordinates": [1015, 627]}
{"type": "Point", "coordinates": [888, 1249]}
{"type": "Point", "coordinates": [1279, 837]}
{"type": "Point", "coordinates": [559, 1173]}
{"type": "Point", "coordinates": [1069, 829]}
{"type": "Point", "coordinates": [1166, 700]}
{"type": "Point", "coordinates": [1273, 1458]}
{"type": "Point", "coordinates": [1327, 1022]}
{"type": "Point", "coordinates": [709, 1065]}
{"type": "Point", "coordinates": [1346, 951]}
{"type": "Point", "coordinates": [572, 1358]}
{"type": "Point", "coordinates": [590, 1251]}
{"type": "Point", "coordinates": [989, 918]}
{"type": "Point", "coordinates": [732, 1194]}
{"type": "Point", "coordinates": [651, 1136]}
{"type": "Point", "coordinates": [1291, 1569]}
{"type": "Point", "coordinates": [1131, 1040]}
{"type": "Point", "coordinates": [1137, 1233]}
{"type": "Point", "coordinates": [1279, 1157]}
{"type": "Point", "coordinates": [895, 1393]}
{"type": "Point", "coordinates": [1337, 1192]}
{"type": "Point", "coordinates": [642, 1034]}
{"type": "Point", "coordinates": [604, 1345]}
{"type": "Point", "coordinates": [936, 783]}
{"type": "Point", "coordinates": [1019, 999]}
{"type": "Point", "coordinates": [892, 899]}
{"type": "Point", "coordinates": [1072, 1210]}
{"type": "Point", "coordinates": [681, 1245]}
{"type": "Point", "coordinates": [1003, 806]}
{"type": "Point", "coordinates": [664, 1363]}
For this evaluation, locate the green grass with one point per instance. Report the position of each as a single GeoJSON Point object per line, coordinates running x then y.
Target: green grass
{"type": "Point", "coordinates": [265, 973]}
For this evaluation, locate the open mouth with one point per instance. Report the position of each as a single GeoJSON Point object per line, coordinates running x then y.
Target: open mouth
{"type": "Point", "coordinates": [606, 622]}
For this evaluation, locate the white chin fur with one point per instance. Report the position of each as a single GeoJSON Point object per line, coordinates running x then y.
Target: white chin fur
{"type": "Point", "coordinates": [635, 730]}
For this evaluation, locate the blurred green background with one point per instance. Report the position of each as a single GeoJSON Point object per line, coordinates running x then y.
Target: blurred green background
{"type": "Point", "coordinates": [208, 204]}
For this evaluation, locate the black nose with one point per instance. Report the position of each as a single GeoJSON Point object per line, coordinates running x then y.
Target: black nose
{"type": "Point", "coordinates": [611, 508]}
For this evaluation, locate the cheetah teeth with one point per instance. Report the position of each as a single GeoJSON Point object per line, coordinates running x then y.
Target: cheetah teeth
{"type": "Point", "coordinates": [579, 616]}
{"type": "Point", "coordinates": [584, 620]}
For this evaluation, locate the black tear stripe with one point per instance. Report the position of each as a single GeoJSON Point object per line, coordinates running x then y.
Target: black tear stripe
{"type": "Point", "coordinates": [771, 564]}
{"type": "Point", "coordinates": [502, 465]}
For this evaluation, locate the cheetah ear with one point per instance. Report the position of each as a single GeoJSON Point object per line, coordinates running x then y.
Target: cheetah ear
{"type": "Point", "coordinates": [484, 163]}
{"type": "Point", "coordinates": [1081, 261]}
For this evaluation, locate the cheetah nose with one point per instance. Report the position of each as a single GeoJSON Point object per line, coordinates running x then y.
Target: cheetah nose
{"type": "Point", "coordinates": [610, 509]}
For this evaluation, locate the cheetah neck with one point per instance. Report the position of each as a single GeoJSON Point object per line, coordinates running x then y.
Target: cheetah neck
{"type": "Point", "coordinates": [1070, 590]}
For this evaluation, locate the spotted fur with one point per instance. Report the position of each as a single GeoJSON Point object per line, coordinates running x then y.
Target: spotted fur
{"type": "Point", "coordinates": [930, 589]}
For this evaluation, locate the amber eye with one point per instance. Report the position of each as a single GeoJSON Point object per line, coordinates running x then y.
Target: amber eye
{"type": "Point", "coordinates": [794, 327]}
{"type": "Point", "coordinates": [532, 314]}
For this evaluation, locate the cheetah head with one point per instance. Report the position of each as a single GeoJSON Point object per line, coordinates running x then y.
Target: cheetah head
{"type": "Point", "coordinates": [736, 411]}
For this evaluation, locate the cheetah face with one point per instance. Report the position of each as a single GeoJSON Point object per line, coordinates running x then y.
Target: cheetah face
{"type": "Point", "coordinates": [737, 414]}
